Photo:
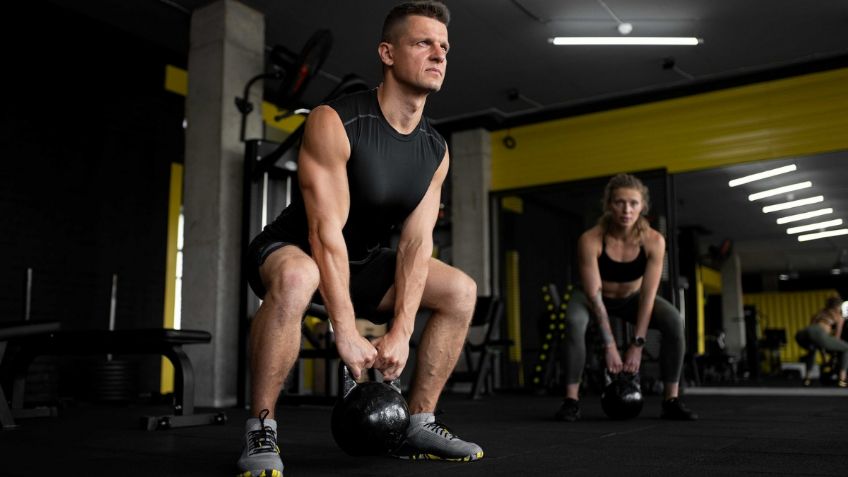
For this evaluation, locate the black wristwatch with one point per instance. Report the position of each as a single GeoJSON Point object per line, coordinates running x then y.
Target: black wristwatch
{"type": "Point", "coordinates": [639, 341]}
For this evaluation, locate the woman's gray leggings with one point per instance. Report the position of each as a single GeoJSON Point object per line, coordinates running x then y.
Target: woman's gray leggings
{"type": "Point", "coordinates": [664, 318]}
{"type": "Point", "coordinates": [818, 336]}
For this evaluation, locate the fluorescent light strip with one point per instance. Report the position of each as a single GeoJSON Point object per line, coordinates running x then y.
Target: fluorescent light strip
{"type": "Point", "coordinates": [805, 215]}
{"type": "Point", "coordinates": [794, 203]}
{"type": "Point", "coordinates": [829, 233]}
{"type": "Point", "coordinates": [625, 40]}
{"type": "Point", "coordinates": [762, 175]}
{"type": "Point", "coordinates": [816, 226]}
{"type": "Point", "coordinates": [779, 190]}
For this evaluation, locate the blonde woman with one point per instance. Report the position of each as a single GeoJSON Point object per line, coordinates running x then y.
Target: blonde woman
{"type": "Point", "coordinates": [620, 262]}
{"type": "Point", "coordinates": [824, 332]}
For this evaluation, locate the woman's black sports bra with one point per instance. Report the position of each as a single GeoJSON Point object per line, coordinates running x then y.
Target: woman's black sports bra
{"type": "Point", "coordinates": [621, 272]}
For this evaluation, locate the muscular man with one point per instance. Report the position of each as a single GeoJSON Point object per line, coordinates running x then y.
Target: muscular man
{"type": "Point", "coordinates": [369, 163]}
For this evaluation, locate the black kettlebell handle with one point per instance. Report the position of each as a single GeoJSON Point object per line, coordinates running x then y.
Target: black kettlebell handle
{"type": "Point", "coordinates": [347, 383]}
{"type": "Point", "coordinates": [633, 377]}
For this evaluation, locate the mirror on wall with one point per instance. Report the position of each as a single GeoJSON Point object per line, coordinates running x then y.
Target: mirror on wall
{"type": "Point", "coordinates": [744, 283]}
{"type": "Point", "coordinates": [703, 199]}
{"type": "Point", "coordinates": [765, 244]}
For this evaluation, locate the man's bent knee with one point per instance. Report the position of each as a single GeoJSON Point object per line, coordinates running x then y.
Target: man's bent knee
{"type": "Point", "coordinates": [464, 293]}
{"type": "Point", "coordinates": [293, 278]}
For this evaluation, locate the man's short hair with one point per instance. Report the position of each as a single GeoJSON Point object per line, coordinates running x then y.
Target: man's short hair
{"type": "Point", "coordinates": [428, 8]}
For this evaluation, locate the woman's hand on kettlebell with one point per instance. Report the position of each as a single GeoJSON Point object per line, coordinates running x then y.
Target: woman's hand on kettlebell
{"type": "Point", "coordinates": [613, 359]}
{"type": "Point", "coordinates": [392, 353]}
{"type": "Point", "coordinates": [633, 359]}
{"type": "Point", "coordinates": [357, 352]}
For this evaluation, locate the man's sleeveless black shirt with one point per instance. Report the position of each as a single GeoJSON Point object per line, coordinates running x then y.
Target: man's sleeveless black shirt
{"type": "Point", "coordinates": [388, 175]}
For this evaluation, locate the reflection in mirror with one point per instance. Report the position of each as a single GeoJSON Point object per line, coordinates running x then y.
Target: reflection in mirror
{"type": "Point", "coordinates": [763, 257]}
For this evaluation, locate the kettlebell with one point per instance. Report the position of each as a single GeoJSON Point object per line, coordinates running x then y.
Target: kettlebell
{"type": "Point", "coordinates": [369, 418]}
{"type": "Point", "coordinates": [622, 395]}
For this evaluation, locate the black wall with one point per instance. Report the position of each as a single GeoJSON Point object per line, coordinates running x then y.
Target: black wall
{"type": "Point", "coordinates": [87, 137]}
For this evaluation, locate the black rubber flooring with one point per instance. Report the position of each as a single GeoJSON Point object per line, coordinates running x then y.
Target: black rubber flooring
{"type": "Point", "coordinates": [754, 435]}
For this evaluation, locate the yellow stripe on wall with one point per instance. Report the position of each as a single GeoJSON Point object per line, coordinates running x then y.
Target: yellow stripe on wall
{"type": "Point", "coordinates": [790, 311]}
{"type": "Point", "coordinates": [176, 81]}
{"type": "Point", "coordinates": [711, 279]}
{"type": "Point", "coordinates": [175, 203]}
{"type": "Point", "coordinates": [513, 203]}
{"type": "Point", "coordinates": [700, 304]}
{"type": "Point", "coordinates": [288, 124]}
{"type": "Point", "coordinates": [795, 116]}
{"type": "Point", "coordinates": [513, 311]}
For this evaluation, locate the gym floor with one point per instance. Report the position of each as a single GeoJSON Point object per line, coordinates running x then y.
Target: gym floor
{"type": "Point", "coordinates": [736, 435]}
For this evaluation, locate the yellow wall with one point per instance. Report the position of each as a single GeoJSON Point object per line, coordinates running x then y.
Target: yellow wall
{"type": "Point", "coordinates": [707, 282]}
{"type": "Point", "coordinates": [794, 116]}
{"type": "Point", "coordinates": [790, 311]}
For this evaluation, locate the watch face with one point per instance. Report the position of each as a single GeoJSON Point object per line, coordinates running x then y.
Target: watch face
{"type": "Point", "coordinates": [639, 341]}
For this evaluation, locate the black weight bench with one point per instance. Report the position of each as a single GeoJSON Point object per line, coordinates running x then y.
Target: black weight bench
{"type": "Point", "coordinates": [165, 342]}
{"type": "Point", "coordinates": [8, 332]}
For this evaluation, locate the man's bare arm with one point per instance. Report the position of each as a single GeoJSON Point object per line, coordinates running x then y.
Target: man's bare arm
{"type": "Point", "coordinates": [414, 251]}
{"type": "Point", "coordinates": [322, 171]}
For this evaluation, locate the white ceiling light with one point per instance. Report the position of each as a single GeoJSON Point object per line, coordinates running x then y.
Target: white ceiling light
{"type": "Point", "coordinates": [794, 203]}
{"type": "Point", "coordinates": [779, 190]}
{"type": "Point", "coordinates": [805, 215]}
{"type": "Point", "coordinates": [629, 40]}
{"type": "Point", "coordinates": [816, 226]}
{"type": "Point", "coordinates": [762, 175]}
{"type": "Point", "coordinates": [624, 28]}
{"type": "Point", "coordinates": [819, 235]}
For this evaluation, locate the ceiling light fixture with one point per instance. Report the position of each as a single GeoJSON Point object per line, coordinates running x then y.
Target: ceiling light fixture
{"type": "Point", "coordinates": [630, 40]}
{"type": "Point", "coordinates": [762, 175]}
{"type": "Point", "coordinates": [779, 190]}
{"type": "Point", "coordinates": [794, 203]}
{"type": "Point", "coordinates": [819, 235]}
{"type": "Point", "coordinates": [816, 226]}
{"type": "Point", "coordinates": [805, 215]}
{"type": "Point", "coordinates": [623, 27]}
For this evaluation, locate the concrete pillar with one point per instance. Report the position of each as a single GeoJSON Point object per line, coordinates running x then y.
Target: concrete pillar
{"type": "Point", "coordinates": [732, 313]}
{"type": "Point", "coordinates": [471, 179]}
{"type": "Point", "coordinates": [227, 49]}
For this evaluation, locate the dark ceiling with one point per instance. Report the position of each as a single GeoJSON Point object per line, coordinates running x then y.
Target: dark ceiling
{"type": "Point", "coordinates": [498, 46]}
{"type": "Point", "coordinates": [501, 45]}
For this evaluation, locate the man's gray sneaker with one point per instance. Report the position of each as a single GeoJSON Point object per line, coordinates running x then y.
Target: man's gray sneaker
{"type": "Point", "coordinates": [261, 456]}
{"type": "Point", "coordinates": [427, 439]}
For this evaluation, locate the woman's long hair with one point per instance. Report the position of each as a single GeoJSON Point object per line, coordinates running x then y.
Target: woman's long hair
{"type": "Point", "coordinates": [834, 301]}
{"type": "Point", "coordinates": [626, 181]}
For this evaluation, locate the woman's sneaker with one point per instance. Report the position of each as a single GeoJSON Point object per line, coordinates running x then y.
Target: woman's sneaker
{"type": "Point", "coordinates": [569, 411]}
{"type": "Point", "coordinates": [261, 456]}
{"type": "Point", "coordinates": [427, 439]}
{"type": "Point", "coordinates": [674, 410]}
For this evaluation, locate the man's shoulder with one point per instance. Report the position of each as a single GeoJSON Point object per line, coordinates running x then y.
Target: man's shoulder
{"type": "Point", "coordinates": [427, 128]}
{"type": "Point", "coordinates": [352, 103]}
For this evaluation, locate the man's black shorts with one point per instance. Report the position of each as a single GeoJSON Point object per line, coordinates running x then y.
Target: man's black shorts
{"type": "Point", "coordinates": [370, 278]}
